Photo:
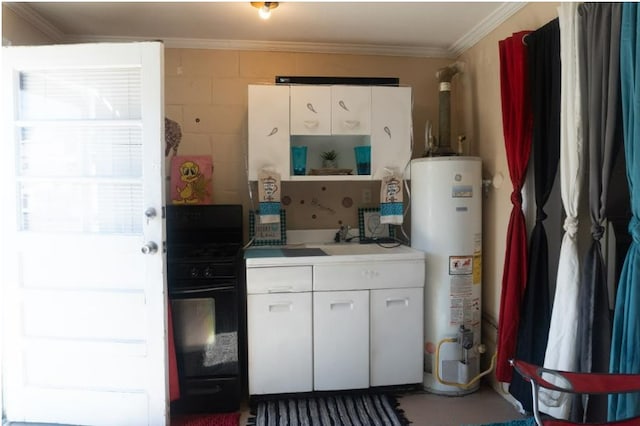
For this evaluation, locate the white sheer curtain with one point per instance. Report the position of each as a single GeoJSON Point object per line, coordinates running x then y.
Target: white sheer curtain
{"type": "Point", "coordinates": [561, 346]}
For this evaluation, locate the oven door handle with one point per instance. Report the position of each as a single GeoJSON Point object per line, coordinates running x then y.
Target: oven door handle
{"type": "Point", "coordinates": [199, 290]}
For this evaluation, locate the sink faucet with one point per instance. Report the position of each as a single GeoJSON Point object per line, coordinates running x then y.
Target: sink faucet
{"type": "Point", "coordinates": [341, 235]}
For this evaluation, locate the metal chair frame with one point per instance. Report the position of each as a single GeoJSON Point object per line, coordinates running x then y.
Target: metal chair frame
{"type": "Point", "coordinates": [577, 383]}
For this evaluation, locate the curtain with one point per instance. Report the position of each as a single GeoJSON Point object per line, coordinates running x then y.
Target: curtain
{"type": "Point", "coordinates": [600, 53]}
{"type": "Point", "coordinates": [561, 346]}
{"type": "Point", "coordinates": [543, 48]}
{"type": "Point", "coordinates": [516, 125]}
{"type": "Point", "coordinates": [625, 340]}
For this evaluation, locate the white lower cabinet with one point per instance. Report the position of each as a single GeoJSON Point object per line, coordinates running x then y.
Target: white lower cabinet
{"type": "Point", "coordinates": [334, 325]}
{"type": "Point", "coordinates": [341, 340]}
{"type": "Point", "coordinates": [279, 329]}
{"type": "Point", "coordinates": [396, 336]}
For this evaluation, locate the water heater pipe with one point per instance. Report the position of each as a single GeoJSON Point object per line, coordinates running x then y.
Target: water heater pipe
{"type": "Point", "coordinates": [444, 76]}
{"type": "Point", "coordinates": [471, 382]}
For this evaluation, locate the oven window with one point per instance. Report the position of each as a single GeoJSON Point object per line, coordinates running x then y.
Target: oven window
{"type": "Point", "coordinates": [206, 336]}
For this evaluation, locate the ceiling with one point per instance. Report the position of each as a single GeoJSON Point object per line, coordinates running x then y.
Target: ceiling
{"type": "Point", "coordinates": [425, 29]}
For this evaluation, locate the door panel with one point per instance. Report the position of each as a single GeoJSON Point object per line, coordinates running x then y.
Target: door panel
{"type": "Point", "coordinates": [340, 340]}
{"type": "Point", "coordinates": [396, 336]}
{"type": "Point", "coordinates": [85, 308]}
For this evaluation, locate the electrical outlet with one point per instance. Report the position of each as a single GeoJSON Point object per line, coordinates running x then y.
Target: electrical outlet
{"type": "Point", "coordinates": [366, 195]}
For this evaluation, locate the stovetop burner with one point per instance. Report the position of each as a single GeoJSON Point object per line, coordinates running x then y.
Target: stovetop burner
{"type": "Point", "coordinates": [204, 247]}
{"type": "Point", "coordinates": [199, 252]}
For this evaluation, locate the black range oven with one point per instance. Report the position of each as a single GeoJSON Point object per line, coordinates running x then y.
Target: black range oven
{"type": "Point", "coordinates": [205, 271]}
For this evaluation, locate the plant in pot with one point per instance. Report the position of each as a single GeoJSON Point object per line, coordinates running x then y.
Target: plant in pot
{"type": "Point", "coordinates": [329, 159]}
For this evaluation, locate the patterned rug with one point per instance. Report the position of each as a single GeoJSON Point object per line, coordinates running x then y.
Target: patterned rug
{"type": "Point", "coordinates": [521, 422]}
{"type": "Point", "coordinates": [223, 419]}
{"type": "Point", "coordinates": [330, 410]}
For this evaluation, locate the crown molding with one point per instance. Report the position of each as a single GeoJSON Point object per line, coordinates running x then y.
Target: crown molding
{"type": "Point", "coordinates": [465, 42]}
{"type": "Point", "coordinates": [485, 26]}
{"type": "Point", "coordinates": [335, 48]}
{"type": "Point", "coordinates": [27, 13]}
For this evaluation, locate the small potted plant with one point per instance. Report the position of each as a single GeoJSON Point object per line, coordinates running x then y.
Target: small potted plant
{"type": "Point", "coordinates": [329, 159]}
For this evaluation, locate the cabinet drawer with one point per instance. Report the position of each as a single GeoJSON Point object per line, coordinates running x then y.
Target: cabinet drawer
{"type": "Point", "coordinates": [369, 275]}
{"type": "Point", "coordinates": [286, 279]}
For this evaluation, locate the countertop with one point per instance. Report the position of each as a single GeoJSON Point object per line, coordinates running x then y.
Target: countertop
{"type": "Point", "coordinates": [310, 253]}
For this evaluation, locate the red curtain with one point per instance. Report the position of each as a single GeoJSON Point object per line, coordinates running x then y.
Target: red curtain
{"type": "Point", "coordinates": [517, 123]}
{"type": "Point", "coordinates": [174, 385]}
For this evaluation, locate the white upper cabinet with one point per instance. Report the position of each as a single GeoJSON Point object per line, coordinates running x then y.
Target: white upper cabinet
{"type": "Point", "coordinates": [268, 130]}
{"type": "Point", "coordinates": [329, 118]}
{"type": "Point", "coordinates": [310, 110]}
{"type": "Point", "coordinates": [351, 110]}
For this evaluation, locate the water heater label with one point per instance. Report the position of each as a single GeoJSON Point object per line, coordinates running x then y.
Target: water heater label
{"type": "Point", "coordinates": [460, 265]}
{"type": "Point", "coordinates": [461, 191]}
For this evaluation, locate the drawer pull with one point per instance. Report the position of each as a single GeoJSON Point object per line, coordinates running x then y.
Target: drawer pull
{"type": "Point", "coordinates": [311, 124]}
{"type": "Point", "coordinates": [281, 307]}
{"type": "Point", "coordinates": [341, 304]}
{"type": "Point", "coordinates": [283, 289]}
{"type": "Point", "coordinates": [351, 124]}
{"type": "Point", "coordinates": [273, 131]}
{"type": "Point", "coordinates": [368, 273]}
{"type": "Point", "coordinates": [397, 302]}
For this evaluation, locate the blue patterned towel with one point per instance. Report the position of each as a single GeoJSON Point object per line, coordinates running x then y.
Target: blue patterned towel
{"type": "Point", "coordinates": [269, 197]}
{"type": "Point", "coordinates": [391, 204]}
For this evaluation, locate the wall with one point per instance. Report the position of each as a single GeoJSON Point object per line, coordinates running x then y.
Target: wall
{"type": "Point", "coordinates": [19, 32]}
{"type": "Point", "coordinates": [481, 116]}
{"type": "Point", "coordinates": [206, 93]}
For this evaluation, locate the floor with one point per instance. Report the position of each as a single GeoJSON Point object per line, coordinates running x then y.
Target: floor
{"type": "Point", "coordinates": [425, 409]}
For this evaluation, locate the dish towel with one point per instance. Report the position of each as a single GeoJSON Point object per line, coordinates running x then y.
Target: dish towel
{"type": "Point", "coordinates": [269, 197]}
{"type": "Point", "coordinates": [391, 200]}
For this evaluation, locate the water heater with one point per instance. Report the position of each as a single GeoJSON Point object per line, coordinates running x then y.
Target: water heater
{"type": "Point", "coordinates": [446, 223]}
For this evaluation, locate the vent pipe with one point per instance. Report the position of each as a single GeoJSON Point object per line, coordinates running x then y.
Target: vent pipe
{"type": "Point", "coordinates": [444, 76]}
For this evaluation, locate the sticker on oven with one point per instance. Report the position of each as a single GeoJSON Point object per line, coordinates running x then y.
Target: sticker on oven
{"type": "Point", "coordinates": [460, 265]}
{"type": "Point", "coordinates": [462, 191]}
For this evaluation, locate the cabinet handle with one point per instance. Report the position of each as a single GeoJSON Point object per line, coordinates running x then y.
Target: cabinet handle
{"type": "Point", "coordinates": [343, 105]}
{"type": "Point", "coordinates": [273, 132]}
{"type": "Point", "coordinates": [368, 273]}
{"type": "Point", "coordinates": [311, 124]}
{"type": "Point", "coordinates": [341, 304]}
{"type": "Point", "coordinates": [396, 302]}
{"type": "Point", "coordinates": [283, 289]}
{"type": "Point", "coordinates": [387, 131]}
{"type": "Point", "coordinates": [310, 108]}
{"type": "Point", "coordinates": [351, 124]}
{"type": "Point", "coordinates": [281, 307]}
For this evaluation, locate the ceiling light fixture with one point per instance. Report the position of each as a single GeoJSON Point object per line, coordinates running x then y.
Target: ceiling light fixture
{"type": "Point", "coordinates": [264, 8]}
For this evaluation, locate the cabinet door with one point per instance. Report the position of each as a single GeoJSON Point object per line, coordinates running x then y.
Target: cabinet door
{"type": "Point", "coordinates": [341, 340]}
{"type": "Point", "coordinates": [268, 130]}
{"type": "Point", "coordinates": [279, 343]}
{"type": "Point", "coordinates": [351, 110]}
{"type": "Point", "coordinates": [390, 130]}
{"type": "Point", "coordinates": [396, 336]}
{"type": "Point", "coordinates": [310, 110]}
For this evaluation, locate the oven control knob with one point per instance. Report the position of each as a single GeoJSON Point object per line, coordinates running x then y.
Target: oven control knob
{"type": "Point", "coordinates": [194, 272]}
{"type": "Point", "coordinates": [149, 248]}
{"type": "Point", "coordinates": [208, 272]}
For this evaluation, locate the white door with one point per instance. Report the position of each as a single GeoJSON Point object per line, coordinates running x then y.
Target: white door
{"type": "Point", "coordinates": [84, 308]}
{"type": "Point", "coordinates": [268, 130]}
{"type": "Point", "coordinates": [390, 130]}
{"type": "Point", "coordinates": [396, 336]}
{"type": "Point", "coordinates": [310, 110]}
{"type": "Point", "coordinates": [350, 110]}
{"type": "Point", "coordinates": [340, 340]}
{"type": "Point", "coordinates": [279, 335]}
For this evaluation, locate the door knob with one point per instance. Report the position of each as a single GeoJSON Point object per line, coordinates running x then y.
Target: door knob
{"type": "Point", "coordinates": [149, 248]}
{"type": "Point", "coordinates": [150, 212]}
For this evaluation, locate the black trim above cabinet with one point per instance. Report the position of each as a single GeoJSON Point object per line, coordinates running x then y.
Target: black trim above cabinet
{"type": "Point", "coordinates": [356, 81]}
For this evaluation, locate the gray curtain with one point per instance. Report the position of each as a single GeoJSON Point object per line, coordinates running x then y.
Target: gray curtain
{"type": "Point", "coordinates": [600, 84]}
